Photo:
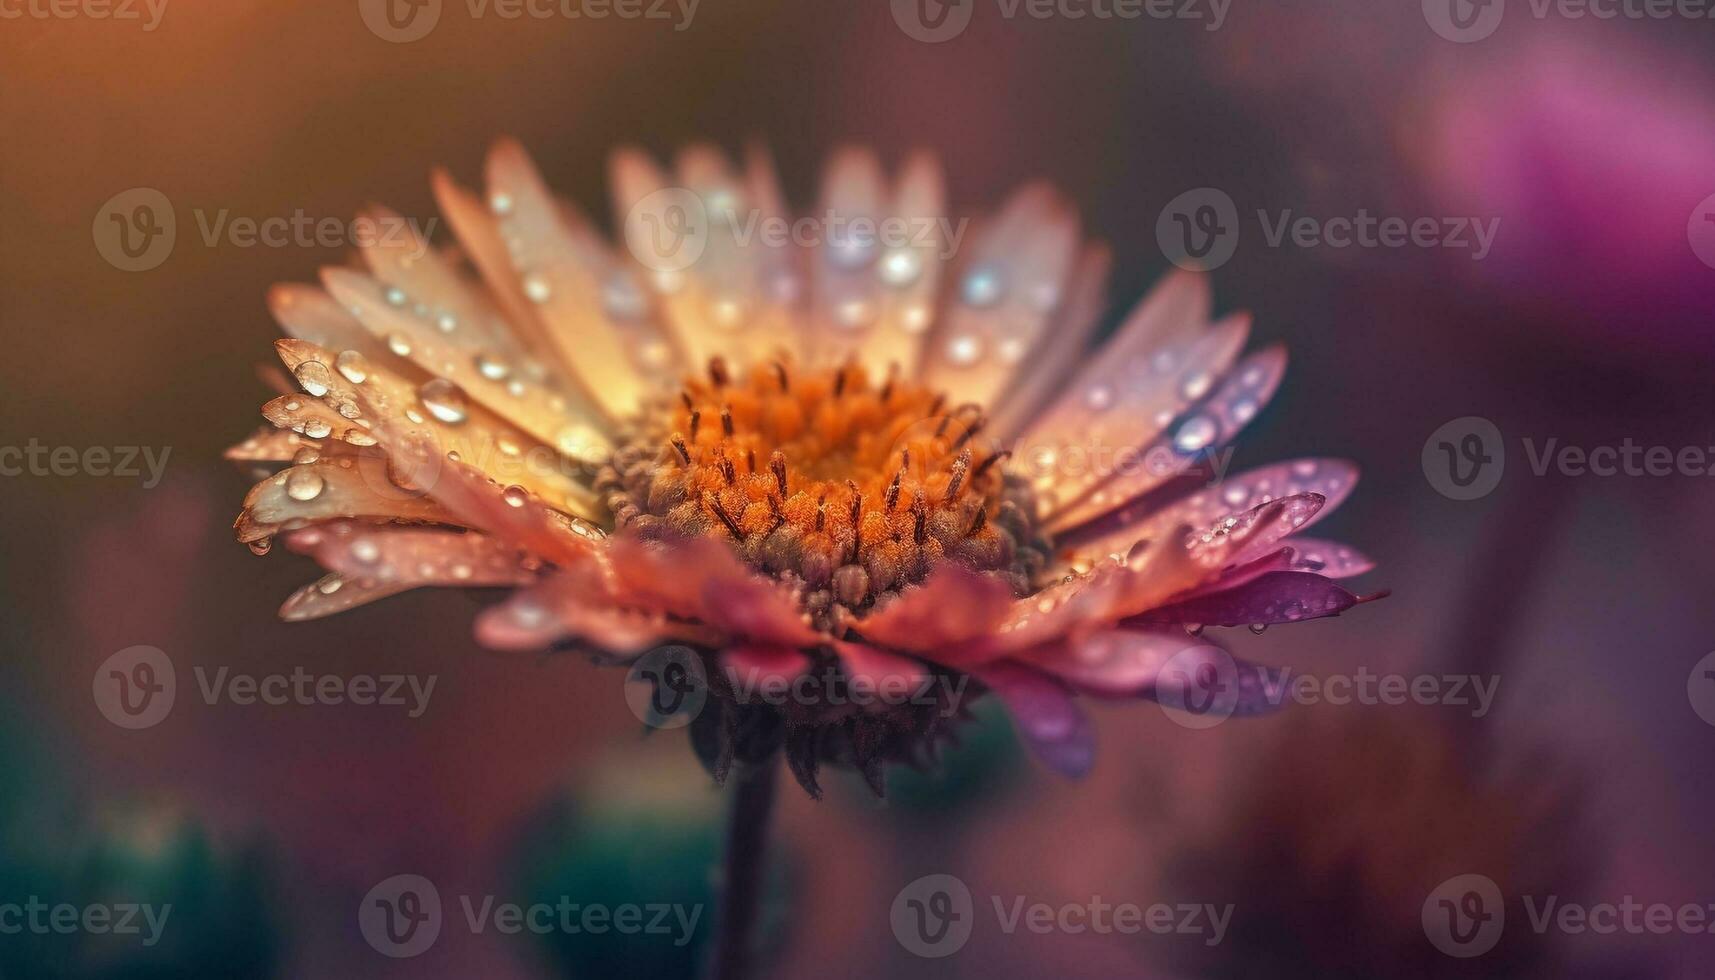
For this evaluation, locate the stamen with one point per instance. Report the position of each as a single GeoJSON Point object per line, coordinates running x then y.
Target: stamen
{"type": "Point", "coordinates": [727, 470]}
{"type": "Point", "coordinates": [960, 466]}
{"type": "Point", "coordinates": [685, 397]}
{"type": "Point", "coordinates": [982, 519]}
{"type": "Point", "coordinates": [985, 465]}
{"type": "Point", "coordinates": [726, 420]}
{"type": "Point", "coordinates": [777, 466]}
{"type": "Point", "coordinates": [821, 512]}
{"type": "Point", "coordinates": [971, 432]}
{"type": "Point", "coordinates": [887, 389]}
{"type": "Point", "coordinates": [678, 442]}
{"type": "Point", "coordinates": [717, 372]}
{"type": "Point", "coordinates": [892, 497]}
{"type": "Point", "coordinates": [857, 502]}
{"type": "Point", "coordinates": [714, 504]}
{"type": "Point", "coordinates": [920, 533]}
{"type": "Point", "coordinates": [780, 372]}
{"type": "Point", "coordinates": [696, 423]}
{"type": "Point", "coordinates": [750, 459]}
{"type": "Point", "coordinates": [839, 382]}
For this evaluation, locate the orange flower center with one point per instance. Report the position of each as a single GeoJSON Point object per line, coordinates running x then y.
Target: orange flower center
{"type": "Point", "coordinates": [846, 485]}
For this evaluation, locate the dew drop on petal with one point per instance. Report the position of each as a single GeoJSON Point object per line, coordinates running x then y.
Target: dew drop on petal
{"type": "Point", "coordinates": [394, 296]}
{"type": "Point", "coordinates": [365, 550]}
{"type": "Point", "coordinates": [358, 437]}
{"type": "Point", "coordinates": [399, 344]}
{"type": "Point", "coordinates": [901, 267]}
{"type": "Point", "coordinates": [352, 366]}
{"type": "Point", "coordinates": [1259, 628]}
{"type": "Point", "coordinates": [1197, 433]}
{"type": "Point", "coordinates": [260, 547]}
{"type": "Point", "coordinates": [500, 203]}
{"type": "Point", "coordinates": [317, 429]}
{"type": "Point", "coordinates": [304, 484]}
{"type": "Point", "coordinates": [915, 319]}
{"type": "Point", "coordinates": [444, 400]}
{"type": "Point", "coordinates": [1195, 385]}
{"type": "Point", "coordinates": [329, 584]}
{"type": "Point", "coordinates": [491, 367]}
{"type": "Point", "coordinates": [447, 323]}
{"type": "Point", "coordinates": [313, 377]}
{"type": "Point", "coordinates": [1243, 410]}
{"type": "Point", "coordinates": [515, 496]}
{"type": "Point", "coordinates": [982, 286]}
{"type": "Point", "coordinates": [964, 350]}
{"type": "Point", "coordinates": [1099, 397]}
{"type": "Point", "coordinates": [308, 454]}
{"type": "Point", "coordinates": [536, 288]}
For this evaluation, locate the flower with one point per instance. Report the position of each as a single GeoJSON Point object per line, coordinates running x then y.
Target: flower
{"type": "Point", "coordinates": [788, 453]}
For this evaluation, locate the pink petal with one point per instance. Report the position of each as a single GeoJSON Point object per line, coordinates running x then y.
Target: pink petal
{"type": "Point", "coordinates": [953, 606]}
{"type": "Point", "coordinates": [1276, 597]}
{"type": "Point", "coordinates": [575, 604]}
{"type": "Point", "coordinates": [755, 671]}
{"type": "Point", "coordinates": [1113, 663]}
{"type": "Point", "coordinates": [1329, 558]}
{"type": "Point", "coordinates": [878, 672]}
{"type": "Point", "coordinates": [1050, 721]}
{"type": "Point", "coordinates": [701, 579]}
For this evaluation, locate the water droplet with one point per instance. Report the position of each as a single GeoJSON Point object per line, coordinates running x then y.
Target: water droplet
{"type": "Point", "coordinates": [1258, 628]}
{"type": "Point", "coordinates": [415, 416]}
{"type": "Point", "coordinates": [317, 429]}
{"type": "Point", "coordinates": [260, 547]}
{"type": "Point", "coordinates": [915, 319]}
{"type": "Point", "coordinates": [491, 367]}
{"type": "Point", "coordinates": [399, 344]}
{"type": "Point", "coordinates": [352, 365]}
{"type": "Point", "coordinates": [461, 571]}
{"type": "Point", "coordinates": [964, 350]}
{"type": "Point", "coordinates": [1243, 410]}
{"type": "Point", "coordinates": [358, 437]}
{"type": "Point", "coordinates": [536, 288]}
{"type": "Point", "coordinates": [1194, 629]}
{"type": "Point", "coordinates": [1197, 433]}
{"type": "Point", "coordinates": [1195, 385]}
{"type": "Point", "coordinates": [365, 550]}
{"type": "Point", "coordinates": [515, 496]}
{"type": "Point", "coordinates": [901, 267]}
{"type": "Point", "coordinates": [444, 400]}
{"type": "Point", "coordinates": [622, 299]}
{"type": "Point", "coordinates": [1235, 495]}
{"type": "Point", "coordinates": [1099, 397]}
{"type": "Point", "coordinates": [982, 286]}
{"type": "Point", "coordinates": [447, 323]}
{"type": "Point", "coordinates": [500, 203]}
{"type": "Point", "coordinates": [329, 584]}
{"type": "Point", "coordinates": [304, 484]}
{"type": "Point", "coordinates": [854, 314]}
{"type": "Point", "coordinates": [1011, 350]}
{"type": "Point", "coordinates": [308, 454]}
{"type": "Point", "coordinates": [394, 296]}
{"type": "Point", "coordinates": [726, 312]}
{"type": "Point", "coordinates": [313, 377]}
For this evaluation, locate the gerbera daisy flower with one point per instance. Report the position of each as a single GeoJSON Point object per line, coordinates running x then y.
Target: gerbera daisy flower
{"type": "Point", "coordinates": [888, 461]}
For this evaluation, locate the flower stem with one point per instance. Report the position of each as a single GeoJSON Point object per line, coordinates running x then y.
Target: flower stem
{"type": "Point", "coordinates": [744, 864]}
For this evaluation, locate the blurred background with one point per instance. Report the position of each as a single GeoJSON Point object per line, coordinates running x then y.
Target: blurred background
{"type": "Point", "coordinates": [1587, 141]}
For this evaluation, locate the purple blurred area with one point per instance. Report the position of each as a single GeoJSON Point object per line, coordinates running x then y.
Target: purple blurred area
{"type": "Point", "coordinates": [1591, 143]}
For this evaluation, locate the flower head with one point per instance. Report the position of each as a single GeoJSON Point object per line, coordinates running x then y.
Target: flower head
{"type": "Point", "coordinates": [861, 448]}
